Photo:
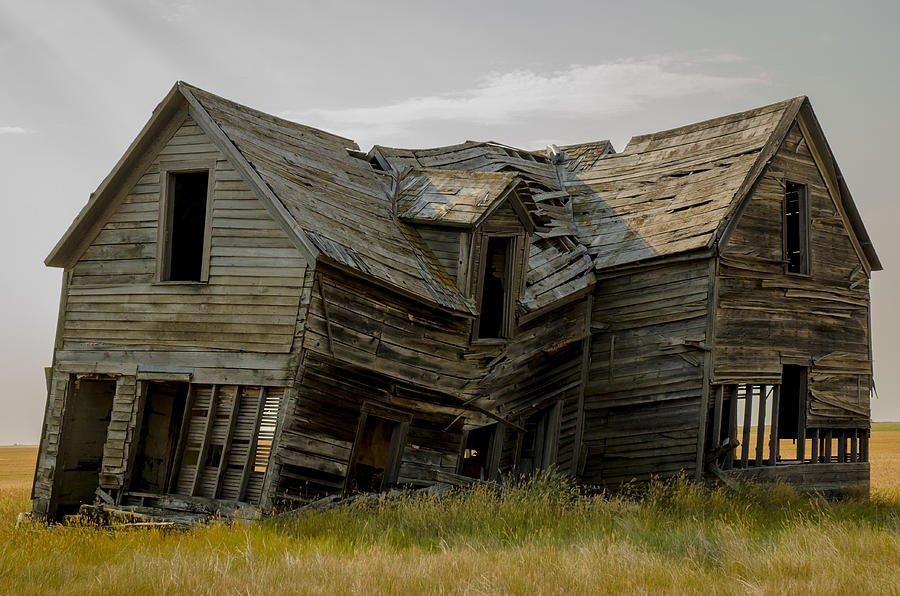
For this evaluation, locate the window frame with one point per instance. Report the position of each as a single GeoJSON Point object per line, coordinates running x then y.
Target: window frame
{"type": "Point", "coordinates": [167, 172]}
{"type": "Point", "coordinates": [511, 288]}
{"type": "Point", "coordinates": [494, 451]}
{"type": "Point", "coordinates": [398, 442]}
{"type": "Point", "coordinates": [804, 232]}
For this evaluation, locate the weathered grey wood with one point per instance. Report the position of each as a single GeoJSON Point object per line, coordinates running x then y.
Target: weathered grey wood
{"type": "Point", "coordinates": [207, 432]}
{"type": "Point", "coordinates": [182, 439]}
{"type": "Point", "coordinates": [773, 438]}
{"type": "Point", "coordinates": [229, 435]}
{"type": "Point", "coordinates": [748, 422]}
{"type": "Point", "coordinates": [761, 425]}
{"type": "Point", "coordinates": [814, 452]}
{"type": "Point", "coordinates": [717, 417]}
{"type": "Point", "coordinates": [732, 425]}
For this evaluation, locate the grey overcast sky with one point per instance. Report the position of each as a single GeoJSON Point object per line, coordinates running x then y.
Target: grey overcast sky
{"type": "Point", "coordinates": [79, 79]}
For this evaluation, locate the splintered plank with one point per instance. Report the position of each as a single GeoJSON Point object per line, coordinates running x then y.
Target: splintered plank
{"type": "Point", "coordinates": [182, 438]}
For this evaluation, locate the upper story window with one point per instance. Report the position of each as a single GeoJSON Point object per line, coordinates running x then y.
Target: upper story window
{"type": "Point", "coordinates": [184, 235]}
{"type": "Point", "coordinates": [796, 227]}
{"type": "Point", "coordinates": [495, 305]}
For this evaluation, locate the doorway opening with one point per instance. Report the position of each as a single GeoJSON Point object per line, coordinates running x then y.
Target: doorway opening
{"type": "Point", "coordinates": [80, 457]}
{"type": "Point", "coordinates": [159, 430]}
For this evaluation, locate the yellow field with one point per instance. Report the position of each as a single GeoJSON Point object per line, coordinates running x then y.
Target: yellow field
{"type": "Point", "coordinates": [542, 538]}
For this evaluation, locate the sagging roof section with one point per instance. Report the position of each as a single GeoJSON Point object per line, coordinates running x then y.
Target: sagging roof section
{"type": "Point", "coordinates": [450, 197]}
{"type": "Point", "coordinates": [668, 192]}
{"type": "Point", "coordinates": [558, 266]}
{"type": "Point", "coordinates": [590, 208]}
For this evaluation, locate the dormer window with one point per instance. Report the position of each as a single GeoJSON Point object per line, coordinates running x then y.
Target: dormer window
{"type": "Point", "coordinates": [184, 229]}
{"type": "Point", "coordinates": [796, 227]}
{"type": "Point", "coordinates": [495, 304]}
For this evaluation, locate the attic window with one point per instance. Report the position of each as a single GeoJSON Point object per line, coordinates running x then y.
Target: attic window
{"type": "Point", "coordinates": [185, 230]}
{"type": "Point", "coordinates": [493, 321]}
{"type": "Point", "coordinates": [796, 228]}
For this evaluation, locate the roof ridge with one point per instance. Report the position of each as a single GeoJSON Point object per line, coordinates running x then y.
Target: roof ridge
{"type": "Point", "coordinates": [265, 115]}
{"type": "Point", "coordinates": [712, 122]}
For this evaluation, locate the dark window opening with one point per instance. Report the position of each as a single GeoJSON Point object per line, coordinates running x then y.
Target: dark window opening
{"type": "Point", "coordinates": [187, 226]}
{"type": "Point", "coordinates": [477, 454]}
{"type": "Point", "coordinates": [494, 289]}
{"type": "Point", "coordinates": [369, 469]}
{"type": "Point", "coordinates": [795, 228]}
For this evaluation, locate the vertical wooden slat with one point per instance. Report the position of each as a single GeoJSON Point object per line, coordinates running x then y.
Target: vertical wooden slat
{"type": "Point", "coordinates": [854, 446]}
{"type": "Point", "coordinates": [828, 439]}
{"type": "Point", "coordinates": [716, 438]}
{"type": "Point", "coordinates": [761, 426]}
{"type": "Point", "coordinates": [182, 439]}
{"type": "Point", "coordinates": [229, 435]}
{"type": "Point", "coordinates": [207, 432]}
{"type": "Point", "coordinates": [842, 446]}
{"type": "Point", "coordinates": [251, 450]}
{"type": "Point", "coordinates": [814, 456]}
{"type": "Point", "coordinates": [773, 430]}
{"type": "Point", "coordinates": [748, 423]}
{"type": "Point", "coordinates": [732, 424]}
{"type": "Point", "coordinates": [864, 446]}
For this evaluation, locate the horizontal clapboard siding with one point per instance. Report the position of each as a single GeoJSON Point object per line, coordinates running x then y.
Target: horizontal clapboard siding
{"type": "Point", "coordinates": [765, 316]}
{"type": "Point", "coordinates": [642, 403]}
{"type": "Point", "coordinates": [250, 303]}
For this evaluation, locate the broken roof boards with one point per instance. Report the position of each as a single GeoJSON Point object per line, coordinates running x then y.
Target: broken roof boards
{"type": "Point", "coordinates": [333, 343]}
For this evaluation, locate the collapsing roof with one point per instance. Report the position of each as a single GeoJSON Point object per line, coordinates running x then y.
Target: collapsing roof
{"type": "Point", "coordinates": [588, 207]}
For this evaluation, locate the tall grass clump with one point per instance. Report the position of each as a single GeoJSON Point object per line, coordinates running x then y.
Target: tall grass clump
{"type": "Point", "coordinates": [543, 534]}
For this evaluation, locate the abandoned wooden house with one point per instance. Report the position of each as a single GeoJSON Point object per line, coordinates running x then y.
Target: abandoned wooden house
{"type": "Point", "coordinates": [255, 312]}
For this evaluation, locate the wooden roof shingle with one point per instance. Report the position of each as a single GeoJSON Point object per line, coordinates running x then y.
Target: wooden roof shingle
{"type": "Point", "coordinates": [669, 192]}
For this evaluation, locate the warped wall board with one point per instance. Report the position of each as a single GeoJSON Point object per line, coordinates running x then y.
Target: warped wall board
{"type": "Point", "coordinates": [250, 304]}
{"type": "Point", "coordinates": [766, 317]}
{"type": "Point", "coordinates": [313, 454]}
{"type": "Point", "coordinates": [542, 367]}
{"type": "Point", "coordinates": [642, 401]}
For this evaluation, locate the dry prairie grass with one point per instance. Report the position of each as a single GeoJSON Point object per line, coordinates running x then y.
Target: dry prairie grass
{"type": "Point", "coordinates": [541, 538]}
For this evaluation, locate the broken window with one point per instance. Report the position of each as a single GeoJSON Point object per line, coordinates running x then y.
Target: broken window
{"type": "Point", "coordinates": [185, 226]}
{"type": "Point", "coordinates": [495, 288]}
{"type": "Point", "coordinates": [796, 229]}
{"type": "Point", "coordinates": [375, 458]}
{"type": "Point", "coordinates": [478, 454]}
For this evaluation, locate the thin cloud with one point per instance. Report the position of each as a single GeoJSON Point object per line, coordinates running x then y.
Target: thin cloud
{"type": "Point", "coordinates": [598, 90]}
{"type": "Point", "coordinates": [14, 130]}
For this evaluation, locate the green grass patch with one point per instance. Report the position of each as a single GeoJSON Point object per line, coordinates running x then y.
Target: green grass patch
{"type": "Point", "coordinates": [542, 535]}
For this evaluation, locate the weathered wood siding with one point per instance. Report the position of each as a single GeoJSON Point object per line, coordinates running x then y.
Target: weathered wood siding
{"type": "Point", "coordinates": [46, 464]}
{"type": "Point", "coordinates": [237, 328]}
{"type": "Point", "coordinates": [642, 402]}
{"type": "Point", "coordinates": [445, 245]}
{"type": "Point", "coordinates": [766, 317]}
{"type": "Point", "coordinates": [116, 313]}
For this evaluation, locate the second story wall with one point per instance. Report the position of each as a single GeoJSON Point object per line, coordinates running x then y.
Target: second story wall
{"type": "Point", "coordinates": [767, 317]}
{"type": "Point", "coordinates": [247, 308]}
